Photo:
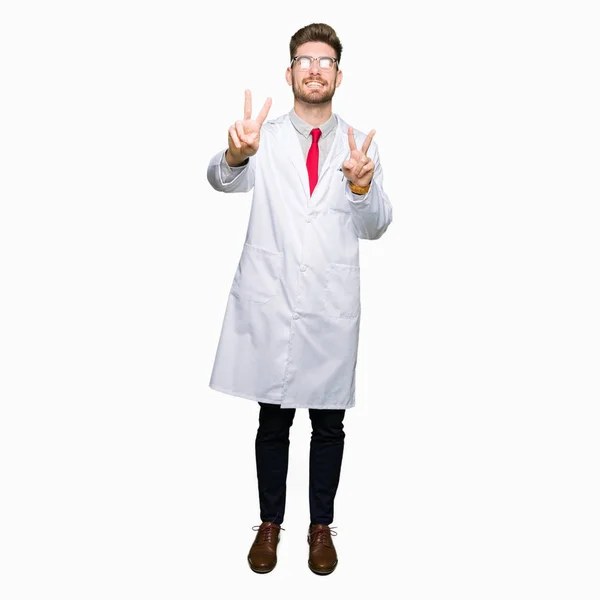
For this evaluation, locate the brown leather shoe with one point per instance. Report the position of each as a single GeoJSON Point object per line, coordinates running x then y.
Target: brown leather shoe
{"type": "Point", "coordinates": [322, 557]}
{"type": "Point", "coordinates": [262, 557]}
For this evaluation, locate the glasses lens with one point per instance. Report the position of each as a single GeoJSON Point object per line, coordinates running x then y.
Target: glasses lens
{"type": "Point", "coordinates": [305, 62]}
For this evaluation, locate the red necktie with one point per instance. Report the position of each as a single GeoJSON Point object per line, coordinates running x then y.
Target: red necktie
{"type": "Point", "coordinates": [312, 160]}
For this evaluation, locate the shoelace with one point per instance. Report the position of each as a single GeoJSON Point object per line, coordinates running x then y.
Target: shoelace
{"type": "Point", "coordinates": [321, 536]}
{"type": "Point", "coordinates": [267, 532]}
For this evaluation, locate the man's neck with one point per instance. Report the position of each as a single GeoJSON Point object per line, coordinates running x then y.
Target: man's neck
{"type": "Point", "coordinates": [313, 114]}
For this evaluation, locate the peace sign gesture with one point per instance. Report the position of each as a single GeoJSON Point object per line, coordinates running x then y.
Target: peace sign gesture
{"type": "Point", "coordinates": [359, 168]}
{"type": "Point", "coordinates": [244, 136]}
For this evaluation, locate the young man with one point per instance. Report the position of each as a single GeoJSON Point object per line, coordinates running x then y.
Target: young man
{"type": "Point", "coordinates": [290, 333]}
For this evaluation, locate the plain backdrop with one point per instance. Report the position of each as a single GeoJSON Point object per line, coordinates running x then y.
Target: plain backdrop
{"type": "Point", "coordinates": [472, 455]}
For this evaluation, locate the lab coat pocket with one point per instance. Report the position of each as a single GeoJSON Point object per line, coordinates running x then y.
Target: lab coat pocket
{"type": "Point", "coordinates": [342, 291]}
{"type": "Point", "coordinates": [257, 275]}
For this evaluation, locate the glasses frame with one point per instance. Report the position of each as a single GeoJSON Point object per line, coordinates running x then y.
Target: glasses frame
{"type": "Point", "coordinates": [313, 58]}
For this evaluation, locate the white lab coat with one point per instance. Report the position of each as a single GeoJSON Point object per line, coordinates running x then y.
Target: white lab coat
{"type": "Point", "coordinates": [291, 326]}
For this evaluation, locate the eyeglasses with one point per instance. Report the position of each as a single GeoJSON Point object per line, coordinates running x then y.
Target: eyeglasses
{"type": "Point", "coordinates": [305, 62]}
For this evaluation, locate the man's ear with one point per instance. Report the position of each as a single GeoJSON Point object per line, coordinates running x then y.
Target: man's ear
{"type": "Point", "coordinates": [288, 75]}
{"type": "Point", "coordinates": [338, 78]}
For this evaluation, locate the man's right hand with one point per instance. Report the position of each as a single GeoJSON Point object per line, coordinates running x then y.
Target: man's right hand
{"type": "Point", "coordinates": [244, 136]}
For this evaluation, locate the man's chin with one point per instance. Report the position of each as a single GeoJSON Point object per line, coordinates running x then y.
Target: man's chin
{"type": "Point", "coordinates": [316, 97]}
{"type": "Point", "coordinates": [315, 100]}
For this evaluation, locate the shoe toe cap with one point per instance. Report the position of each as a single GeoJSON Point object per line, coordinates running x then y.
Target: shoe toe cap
{"type": "Point", "coordinates": [261, 560]}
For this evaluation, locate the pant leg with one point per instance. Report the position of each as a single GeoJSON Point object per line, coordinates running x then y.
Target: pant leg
{"type": "Point", "coordinates": [326, 452]}
{"type": "Point", "coordinates": [272, 453]}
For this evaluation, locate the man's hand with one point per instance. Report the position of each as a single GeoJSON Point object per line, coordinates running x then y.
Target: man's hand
{"type": "Point", "coordinates": [244, 136]}
{"type": "Point", "coordinates": [359, 168]}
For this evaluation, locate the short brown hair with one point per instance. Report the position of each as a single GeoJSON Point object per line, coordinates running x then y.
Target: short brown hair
{"type": "Point", "coordinates": [316, 32]}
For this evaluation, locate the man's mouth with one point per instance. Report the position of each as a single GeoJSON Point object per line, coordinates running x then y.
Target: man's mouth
{"type": "Point", "coordinates": [314, 84]}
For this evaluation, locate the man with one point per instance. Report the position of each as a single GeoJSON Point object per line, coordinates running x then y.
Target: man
{"type": "Point", "coordinates": [290, 332]}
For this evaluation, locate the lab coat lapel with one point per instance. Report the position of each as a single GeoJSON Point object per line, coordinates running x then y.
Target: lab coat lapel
{"type": "Point", "coordinates": [294, 152]}
{"type": "Point", "coordinates": [334, 160]}
{"type": "Point", "coordinates": [339, 149]}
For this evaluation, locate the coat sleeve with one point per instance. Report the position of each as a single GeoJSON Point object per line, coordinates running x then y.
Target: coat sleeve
{"type": "Point", "coordinates": [230, 179]}
{"type": "Point", "coordinates": [371, 212]}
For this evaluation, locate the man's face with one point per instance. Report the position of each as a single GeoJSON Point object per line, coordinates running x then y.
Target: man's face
{"type": "Point", "coordinates": [314, 85]}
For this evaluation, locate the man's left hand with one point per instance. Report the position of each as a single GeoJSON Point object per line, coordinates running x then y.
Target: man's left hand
{"type": "Point", "coordinates": [359, 168]}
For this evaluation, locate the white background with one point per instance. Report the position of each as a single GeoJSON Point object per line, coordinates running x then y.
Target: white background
{"type": "Point", "coordinates": [472, 456]}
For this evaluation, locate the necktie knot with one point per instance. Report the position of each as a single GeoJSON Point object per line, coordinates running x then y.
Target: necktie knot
{"type": "Point", "coordinates": [316, 134]}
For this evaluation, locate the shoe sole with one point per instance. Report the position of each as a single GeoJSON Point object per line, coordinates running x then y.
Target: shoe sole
{"type": "Point", "coordinates": [263, 570]}
{"type": "Point", "coordinates": [322, 572]}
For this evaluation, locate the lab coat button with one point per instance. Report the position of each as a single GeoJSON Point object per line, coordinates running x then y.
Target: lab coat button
{"type": "Point", "coordinates": [308, 219]}
{"type": "Point", "coordinates": [296, 316]}
{"type": "Point", "coordinates": [303, 267]}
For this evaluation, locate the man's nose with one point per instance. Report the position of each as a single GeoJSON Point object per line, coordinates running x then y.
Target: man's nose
{"type": "Point", "coordinates": [314, 67]}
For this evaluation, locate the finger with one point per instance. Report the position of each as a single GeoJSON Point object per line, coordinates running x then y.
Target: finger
{"type": "Point", "coordinates": [248, 105]}
{"type": "Point", "coordinates": [368, 141]}
{"type": "Point", "coordinates": [361, 161]}
{"type": "Point", "coordinates": [264, 112]}
{"type": "Point", "coordinates": [252, 140]}
{"type": "Point", "coordinates": [366, 169]}
{"type": "Point", "coordinates": [240, 130]}
{"type": "Point", "coordinates": [234, 137]}
{"type": "Point", "coordinates": [351, 139]}
{"type": "Point", "coordinates": [349, 165]}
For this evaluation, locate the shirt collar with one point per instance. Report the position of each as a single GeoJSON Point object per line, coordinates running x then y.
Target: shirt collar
{"type": "Point", "coordinates": [303, 128]}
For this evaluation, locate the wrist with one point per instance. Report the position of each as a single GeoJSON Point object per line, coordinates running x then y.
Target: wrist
{"type": "Point", "coordinates": [359, 189]}
{"type": "Point", "coordinates": [235, 160]}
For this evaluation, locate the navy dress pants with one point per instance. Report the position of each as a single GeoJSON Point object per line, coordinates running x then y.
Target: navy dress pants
{"type": "Point", "coordinates": [325, 463]}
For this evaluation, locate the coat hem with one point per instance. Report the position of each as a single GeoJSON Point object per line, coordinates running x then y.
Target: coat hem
{"type": "Point", "coordinates": [271, 401]}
